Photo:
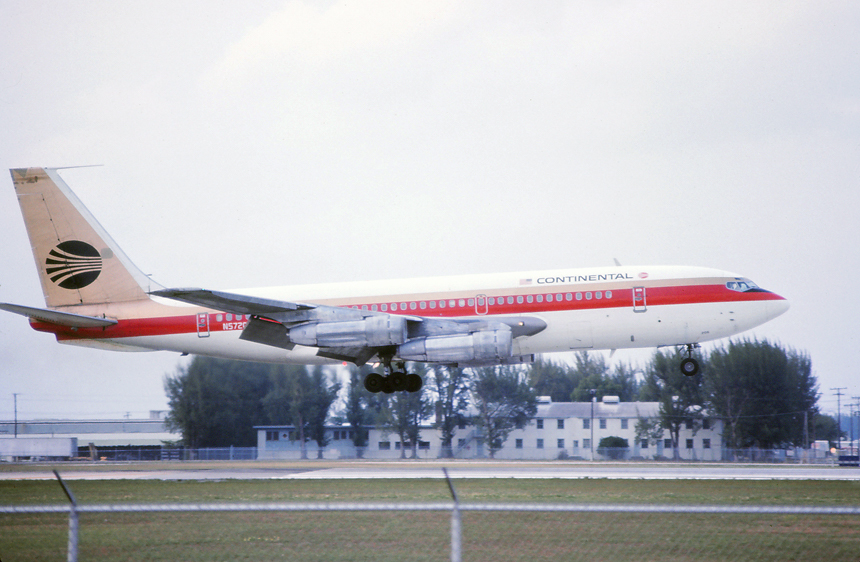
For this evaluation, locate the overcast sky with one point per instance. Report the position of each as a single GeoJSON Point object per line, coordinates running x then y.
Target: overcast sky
{"type": "Point", "coordinates": [272, 143]}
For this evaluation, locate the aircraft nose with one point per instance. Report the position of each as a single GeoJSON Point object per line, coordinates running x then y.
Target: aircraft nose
{"type": "Point", "coordinates": [777, 306]}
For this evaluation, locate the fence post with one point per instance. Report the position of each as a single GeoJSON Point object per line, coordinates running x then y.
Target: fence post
{"type": "Point", "coordinates": [73, 521]}
{"type": "Point", "coordinates": [456, 524]}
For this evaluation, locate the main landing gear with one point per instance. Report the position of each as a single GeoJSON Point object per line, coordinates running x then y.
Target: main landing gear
{"type": "Point", "coordinates": [690, 366]}
{"type": "Point", "coordinates": [391, 382]}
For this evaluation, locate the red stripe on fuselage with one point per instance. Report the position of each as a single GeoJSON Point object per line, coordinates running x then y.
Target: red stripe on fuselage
{"type": "Point", "coordinates": [621, 298]}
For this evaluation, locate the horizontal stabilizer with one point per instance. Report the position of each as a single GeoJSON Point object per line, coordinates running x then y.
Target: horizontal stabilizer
{"type": "Point", "coordinates": [230, 302]}
{"type": "Point", "coordinates": [59, 318]}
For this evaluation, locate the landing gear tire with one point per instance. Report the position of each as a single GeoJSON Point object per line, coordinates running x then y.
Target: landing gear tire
{"type": "Point", "coordinates": [690, 367]}
{"type": "Point", "coordinates": [387, 385]}
{"type": "Point", "coordinates": [413, 383]}
{"type": "Point", "coordinates": [373, 382]}
{"type": "Point", "coordinates": [398, 381]}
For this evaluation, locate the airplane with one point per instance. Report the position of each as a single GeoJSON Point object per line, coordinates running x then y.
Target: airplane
{"type": "Point", "coordinates": [96, 297]}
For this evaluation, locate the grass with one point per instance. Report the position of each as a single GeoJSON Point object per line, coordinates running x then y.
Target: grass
{"type": "Point", "coordinates": [419, 535]}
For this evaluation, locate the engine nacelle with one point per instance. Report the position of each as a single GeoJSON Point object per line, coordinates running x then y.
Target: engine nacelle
{"type": "Point", "coordinates": [373, 331]}
{"type": "Point", "coordinates": [486, 345]}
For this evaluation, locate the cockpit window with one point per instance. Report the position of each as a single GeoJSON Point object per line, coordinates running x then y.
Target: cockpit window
{"type": "Point", "coordinates": [742, 285]}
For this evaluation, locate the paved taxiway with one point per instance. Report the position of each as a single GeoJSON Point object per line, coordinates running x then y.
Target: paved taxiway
{"type": "Point", "coordinates": [411, 469]}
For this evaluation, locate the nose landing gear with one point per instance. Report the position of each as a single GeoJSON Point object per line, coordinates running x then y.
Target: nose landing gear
{"type": "Point", "coordinates": [690, 366]}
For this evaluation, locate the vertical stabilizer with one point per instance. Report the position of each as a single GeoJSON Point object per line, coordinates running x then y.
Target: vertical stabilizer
{"type": "Point", "coordinates": [77, 260]}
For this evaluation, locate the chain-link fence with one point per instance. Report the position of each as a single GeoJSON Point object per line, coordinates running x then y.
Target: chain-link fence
{"type": "Point", "coordinates": [428, 531]}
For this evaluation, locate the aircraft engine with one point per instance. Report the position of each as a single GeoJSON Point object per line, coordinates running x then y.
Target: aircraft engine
{"type": "Point", "coordinates": [486, 345]}
{"type": "Point", "coordinates": [374, 331]}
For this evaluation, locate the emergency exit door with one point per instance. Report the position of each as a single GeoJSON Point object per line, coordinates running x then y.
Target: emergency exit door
{"type": "Point", "coordinates": [639, 299]}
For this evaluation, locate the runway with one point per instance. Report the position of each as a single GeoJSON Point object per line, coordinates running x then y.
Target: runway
{"type": "Point", "coordinates": [323, 470]}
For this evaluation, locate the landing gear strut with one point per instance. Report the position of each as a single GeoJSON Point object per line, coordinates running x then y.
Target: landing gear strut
{"type": "Point", "coordinates": [690, 366]}
{"type": "Point", "coordinates": [391, 382]}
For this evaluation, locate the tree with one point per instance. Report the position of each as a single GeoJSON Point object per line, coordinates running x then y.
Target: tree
{"type": "Point", "coordinates": [762, 392]}
{"type": "Point", "coordinates": [321, 398]}
{"type": "Point", "coordinates": [404, 413]}
{"type": "Point", "coordinates": [216, 402]}
{"type": "Point", "coordinates": [552, 379]}
{"type": "Point", "coordinates": [451, 386]}
{"type": "Point", "coordinates": [613, 447]}
{"type": "Point", "coordinates": [356, 407]}
{"type": "Point", "coordinates": [503, 400]}
{"type": "Point", "coordinates": [680, 396]}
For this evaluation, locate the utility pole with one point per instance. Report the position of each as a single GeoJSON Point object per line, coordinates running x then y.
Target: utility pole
{"type": "Point", "coordinates": [853, 415]}
{"type": "Point", "coordinates": [591, 423]}
{"type": "Point", "coordinates": [839, 413]}
{"type": "Point", "coordinates": [15, 397]}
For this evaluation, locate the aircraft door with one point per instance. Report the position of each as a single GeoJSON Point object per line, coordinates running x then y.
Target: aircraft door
{"type": "Point", "coordinates": [639, 299]}
{"type": "Point", "coordinates": [202, 325]}
{"type": "Point", "coordinates": [481, 305]}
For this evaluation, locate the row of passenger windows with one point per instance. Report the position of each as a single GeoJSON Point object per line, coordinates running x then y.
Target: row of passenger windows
{"type": "Point", "coordinates": [231, 317]}
{"type": "Point", "coordinates": [486, 301]}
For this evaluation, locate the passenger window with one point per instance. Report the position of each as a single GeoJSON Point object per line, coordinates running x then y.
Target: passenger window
{"type": "Point", "coordinates": [412, 306]}
{"type": "Point", "coordinates": [568, 297]}
{"type": "Point", "coordinates": [558, 297]}
{"type": "Point", "coordinates": [373, 308]}
{"type": "Point", "coordinates": [598, 295]}
{"type": "Point", "coordinates": [608, 294]}
{"type": "Point", "coordinates": [520, 299]}
{"type": "Point", "coordinates": [452, 303]}
{"type": "Point", "coordinates": [432, 304]}
{"type": "Point", "coordinates": [403, 306]}
{"type": "Point", "coordinates": [540, 298]}
{"type": "Point", "coordinates": [229, 317]}
{"type": "Point", "coordinates": [492, 300]}
{"type": "Point", "coordinates": [462, 302]}
{"type": "Point", "coordinates": [549, 298]}
{"type": "Point", "coordinates": [588, 296]}
{"type": "Point", "coordinates": [510, 300]}
{"type": "Point", "coordinates": [422, 305]}
{"type": "Point", "coordinates": [471, 302]}
{"type": "Point", "coordinates": [529, 299]}
{"type": "Point", "coordinates": [579, 296]}
{"type": "Point", "coordinates": [441, 304]}
{"type": "Point", "coordinates": [219, 317]}
{"type": "Point", "coordinates": [384, 308]}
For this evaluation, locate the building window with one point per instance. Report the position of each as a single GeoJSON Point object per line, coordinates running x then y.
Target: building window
{"type": "Point", "coordinates": [706, 443]}
{"type": "Point", "coordinates": [539, 423]}
{"type": "Point", "coordinates": [561, 443]}
{"type": "Point", "coordinates": [586, 443]}
{"type": "Point", "coordinates": [706, 423]}
{"type": "Point", "coordinates": [667, 443]}
{"type": "Point", "coordinates": [644, 444]}
{"type": "Point", "coordinates": [519, 444]}
{"type": "Point", "coordinates": [689, 443]}
{"type": "Point", "coordinates": [425, 445]}
{"type": "Point", "coordinates": [688, 424]}
{"type": "Point", "coordinates": [271, 436]}
{"type": "Point", "coordinates": [385, 445]}
{"type": "Point", "coordinates": [540, 443]}
{"type": "Point", "coordinates": [623, 423]}
{"type": "Point", "coordinates": [461, 424]}
{"type": "Point", "coordinates": [586, 423]}
{"type": "Point", "coordinates": [603, 423]}
{"type": "Point", "coordinates": [561, 424]}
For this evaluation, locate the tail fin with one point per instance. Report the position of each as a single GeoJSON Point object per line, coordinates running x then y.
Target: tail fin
{"type": "Point", "coordinates": [78, 262]}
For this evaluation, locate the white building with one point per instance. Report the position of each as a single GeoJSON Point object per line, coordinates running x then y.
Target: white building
{"type": "Point", "coordinates": [560, 430]}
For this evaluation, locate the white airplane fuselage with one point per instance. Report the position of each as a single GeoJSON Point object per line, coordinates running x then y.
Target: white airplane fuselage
{"type": "Point", "coordinates": [595, 308]}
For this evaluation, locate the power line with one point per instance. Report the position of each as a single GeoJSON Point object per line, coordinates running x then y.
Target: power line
{"type": "Point", "coordinates": [838, 394]}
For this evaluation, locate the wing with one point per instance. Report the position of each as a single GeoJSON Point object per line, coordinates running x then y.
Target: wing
{"type": "Point", "coordinates": [349, 334]}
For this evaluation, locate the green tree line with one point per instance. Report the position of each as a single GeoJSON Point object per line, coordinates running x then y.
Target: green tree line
{"type": "Point", "coordinates": [765, 394]}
